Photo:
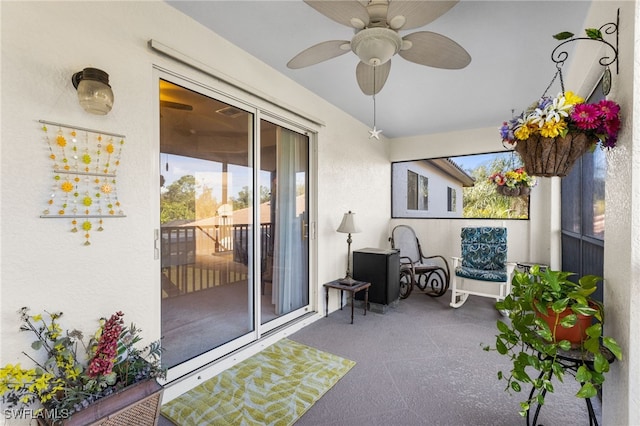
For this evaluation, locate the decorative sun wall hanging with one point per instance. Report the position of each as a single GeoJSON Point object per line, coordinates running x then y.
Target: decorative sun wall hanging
{"type": "Point", "coordinates": [83, 184]}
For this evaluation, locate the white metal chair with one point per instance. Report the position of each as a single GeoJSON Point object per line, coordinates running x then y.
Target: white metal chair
{"type": "Point", "coordinates": [482, 269]}
{"type": "Point", "coordinates": [429, 273]}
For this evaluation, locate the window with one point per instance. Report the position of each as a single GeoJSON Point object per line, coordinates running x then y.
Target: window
{"type": "Point", "coordinates": [412, 190]}
{"type": "Point", "coordinates": [417, 191]}
{"type": "Point", "coordinates": [451, 199]}
{"type": "Point", "coordinates": [423, 193]}
{"type": "Point", "coordinates": [455, 187]}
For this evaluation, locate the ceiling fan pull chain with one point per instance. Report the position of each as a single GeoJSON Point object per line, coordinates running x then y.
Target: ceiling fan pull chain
{"type": "Point", "coordinates": [374, 97]}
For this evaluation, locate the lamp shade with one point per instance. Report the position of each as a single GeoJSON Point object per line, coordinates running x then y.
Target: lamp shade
{"type": "Point", "coordinates": [348, 224]}
{"type": "Point", "coordinates": [94, 93]}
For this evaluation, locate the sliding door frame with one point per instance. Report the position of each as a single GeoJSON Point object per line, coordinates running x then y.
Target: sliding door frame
{"type": "Point", "coordinates": [261, 109]}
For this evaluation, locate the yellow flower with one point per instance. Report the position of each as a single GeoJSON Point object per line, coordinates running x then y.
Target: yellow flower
{"type": "Point", "coordinates": [66, 186]}
{"type": "Point", "coordinates": [86, 225]}
{"type": "Point", "coordinates": [61, 141]}
{"type": "Point", "coordinates": [42, 382]}
{"type": "Point", "coordinates": [86, 159]}
{"type": "Point", "coordinates": [572, 98]}
{"type": "Point", "coordinates": [109, 148]}
{"type": "Point", "coordinates": [552, 129]}
{"type": "Point", "coordinates": [87, 201]}
{"type": "Point", "coordinates": [106, 188]}
{"type": "Point", "coordinates": [522, 133]}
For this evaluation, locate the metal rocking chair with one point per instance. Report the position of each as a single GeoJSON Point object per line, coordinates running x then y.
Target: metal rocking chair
{"type": "Point", "coordinates": [429, 273]}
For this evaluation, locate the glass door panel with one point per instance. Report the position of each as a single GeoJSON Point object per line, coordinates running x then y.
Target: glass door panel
{"type": "Point", "coordinates": [284, 207]}
{"type": "Point", "coordinates": [206, 205]}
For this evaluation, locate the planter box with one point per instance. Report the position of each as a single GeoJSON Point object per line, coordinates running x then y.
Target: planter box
{"type": "Point", "coordinates": [138, 404]}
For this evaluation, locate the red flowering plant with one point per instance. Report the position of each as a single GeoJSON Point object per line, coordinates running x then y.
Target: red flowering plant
{"type": "Point", "coordinates": [70, 379]}
{"type": "Point", "coordinates": [556, 117]}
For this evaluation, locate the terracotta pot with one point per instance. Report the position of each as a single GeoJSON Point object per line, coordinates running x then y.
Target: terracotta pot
{"type": "Point", "coordinates": [576, 334]}
{"type": "Point", "coordinates": [552, 156]}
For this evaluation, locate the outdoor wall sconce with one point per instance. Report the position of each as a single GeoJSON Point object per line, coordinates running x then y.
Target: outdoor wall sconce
{"type": "Point", "coordinates": [94, 93]}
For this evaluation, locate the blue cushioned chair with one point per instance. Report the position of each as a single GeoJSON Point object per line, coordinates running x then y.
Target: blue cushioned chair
{"type": "Point", "coordinates": [482, 269]}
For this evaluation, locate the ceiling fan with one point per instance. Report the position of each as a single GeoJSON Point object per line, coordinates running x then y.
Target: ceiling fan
{"type": "Point", "coordinates": [376, 40]}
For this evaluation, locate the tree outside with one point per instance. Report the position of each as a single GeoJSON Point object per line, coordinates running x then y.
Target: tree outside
{"type": "Point", "coordinates": [482, 200]}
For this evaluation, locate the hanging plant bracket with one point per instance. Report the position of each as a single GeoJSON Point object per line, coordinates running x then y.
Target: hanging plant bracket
{"type": "Point", "coordinates": [559, 55]}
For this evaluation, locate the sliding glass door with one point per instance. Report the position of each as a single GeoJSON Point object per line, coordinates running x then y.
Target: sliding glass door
{"type": "Point", "coordinates": [284, 158]}
{"type": "Point", "coordinates": [233, 224]}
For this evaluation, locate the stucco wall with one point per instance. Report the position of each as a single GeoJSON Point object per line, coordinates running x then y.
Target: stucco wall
{"type": "Point", "coordinates": [42, 264]}
{"type": "Point", "coordinates": [621, 397]}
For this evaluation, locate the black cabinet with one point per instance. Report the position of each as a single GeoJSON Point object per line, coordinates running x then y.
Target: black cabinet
{"type": "Point", "coordinates": [380, 267]}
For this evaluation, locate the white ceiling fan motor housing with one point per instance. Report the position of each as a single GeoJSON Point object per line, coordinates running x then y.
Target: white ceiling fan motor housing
{"type": "Point", "coordinates": [375, 46]}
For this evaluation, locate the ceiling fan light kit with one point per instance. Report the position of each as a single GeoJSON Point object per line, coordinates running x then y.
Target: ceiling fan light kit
{"type": "Point", "coordinates": [376, 46]}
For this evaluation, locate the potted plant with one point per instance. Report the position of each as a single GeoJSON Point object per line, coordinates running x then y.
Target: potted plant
{"type": "Point", "coordinates": [78, 383]}
{"type": "Point", "coordinates": [513, 182]}
{"type": "Point", "coordinates": [554, 132]}
{"type": "Point", "coordinates": [531, 343]}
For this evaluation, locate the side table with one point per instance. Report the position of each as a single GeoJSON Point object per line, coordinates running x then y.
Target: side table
{"type": "Point", "coordinates": [526, 266]}
{"type": "Point", "coordinates": [571, 360]}
{"type": "Point", "coordinates": [353, 289]}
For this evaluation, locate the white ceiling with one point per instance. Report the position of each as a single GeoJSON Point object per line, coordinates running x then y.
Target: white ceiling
{"type": "Point", "coordinates": [510, 43]}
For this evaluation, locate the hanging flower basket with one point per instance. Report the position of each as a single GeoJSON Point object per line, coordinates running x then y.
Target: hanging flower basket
{"type": "Point", "coordinates": [508, 191]}
{"type": "Point", "coordinates": [554, 132]}
{"type": "Point", "coordinates": [513, 183]}
{"type": "Point", "coordinates": [553, 156]}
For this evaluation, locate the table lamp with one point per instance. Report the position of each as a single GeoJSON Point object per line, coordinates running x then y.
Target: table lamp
{"type": "Point", "coordinates": [348, 226]}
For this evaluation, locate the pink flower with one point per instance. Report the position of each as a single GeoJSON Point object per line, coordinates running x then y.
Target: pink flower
{"type": "Point", "coordinates": [107, 350]}
{"type": "Point", "coordinates": [612, 126]}
{"type": "Point", "coordinates": [585, 116]}
{"type": "Point", "coordinates": [608, 109]}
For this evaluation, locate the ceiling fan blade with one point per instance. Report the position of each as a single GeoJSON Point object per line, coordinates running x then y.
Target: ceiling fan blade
{"type": "Point", "coordinates": [318, 53]}
{"type": "Point", "coordinates": [415, 13]}
{"type": "Point", "coordinates": [343, 11]}
{"type": "Point", "coordinates": [176, 105]}
{"type": "Point", "coordinates": [365, 76]}
{"type": "Point", "coordinates": [435, 50]}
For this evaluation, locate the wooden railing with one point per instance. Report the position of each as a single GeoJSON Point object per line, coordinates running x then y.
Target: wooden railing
{"type": "Point", "coordinates": [196, 258]}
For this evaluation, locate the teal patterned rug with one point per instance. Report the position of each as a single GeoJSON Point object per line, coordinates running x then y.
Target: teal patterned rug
{"type": "Point", "coordinates": [273, 387]}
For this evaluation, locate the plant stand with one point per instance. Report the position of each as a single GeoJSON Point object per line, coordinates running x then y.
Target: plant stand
{"type": "Point", "coordinates": [571, 361]}
{"type": "Point", "coordinates": [138, 404]}
{"type": "Point", "coordinates": [552, 156]}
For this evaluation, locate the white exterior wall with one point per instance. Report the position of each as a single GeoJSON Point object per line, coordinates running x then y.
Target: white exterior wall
{"type": "Point", "coordinates": [437, 187]}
